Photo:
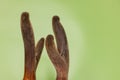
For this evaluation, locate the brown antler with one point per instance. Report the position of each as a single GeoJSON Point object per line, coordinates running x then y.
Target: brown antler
{"type": "Point", "coordinates": [32, 53]}
{"type": "Point", "coordinates": [60, 55]}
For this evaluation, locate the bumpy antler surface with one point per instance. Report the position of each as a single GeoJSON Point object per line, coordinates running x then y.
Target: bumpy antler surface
{"type": "Point", "coordinates": [60, 55]}
{"type": "Point", "coordinates": [32, 53]}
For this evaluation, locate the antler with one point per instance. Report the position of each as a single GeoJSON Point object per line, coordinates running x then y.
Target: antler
{"type": "Point", "coordinates": [32, 53]}
{"type": "Point", "coordinates": [60, 55]}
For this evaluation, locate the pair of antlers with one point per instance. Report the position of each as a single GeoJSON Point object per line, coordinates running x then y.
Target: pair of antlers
{"type": "Point", "coordinates": [59, 55]}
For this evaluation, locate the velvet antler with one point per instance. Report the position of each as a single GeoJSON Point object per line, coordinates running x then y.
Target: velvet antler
{"type": "Point", "coordinates": [60, 55]}
{"type": "Point", "coordinates": [32, 53]}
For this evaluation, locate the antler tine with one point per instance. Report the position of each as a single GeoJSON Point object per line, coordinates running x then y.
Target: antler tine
{"type": "Point", "coordinates": [53, 54]}
{"type": "Point", "coordinates": [29, 45]}
{"type": "Point", "coordinates": [38, 50]}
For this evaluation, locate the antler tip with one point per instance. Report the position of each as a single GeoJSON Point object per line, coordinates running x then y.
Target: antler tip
{"type": "Point", "coordinates": [42, 39]}
{"type": "Point", "coordinates": [49, 37]}
{"type": "Point", "coordinates": [24, 16]}
{"type": "Point", "coordinates": [56, 18]}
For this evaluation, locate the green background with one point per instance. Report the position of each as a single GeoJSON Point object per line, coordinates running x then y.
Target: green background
{"type": "Point", "coordinates": [92, 28]}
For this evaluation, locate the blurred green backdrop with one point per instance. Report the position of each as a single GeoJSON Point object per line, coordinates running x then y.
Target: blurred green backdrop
{"type": "Point", "coordinates": [92, 28]}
